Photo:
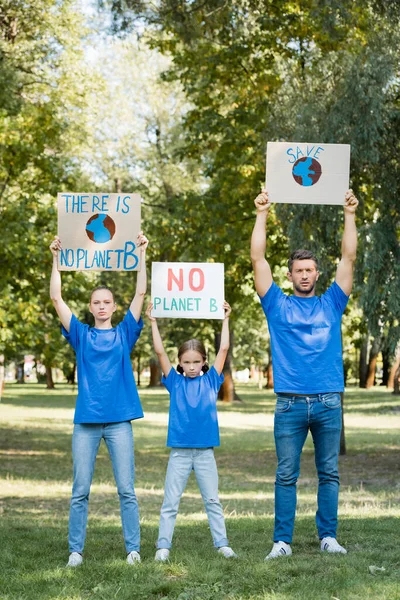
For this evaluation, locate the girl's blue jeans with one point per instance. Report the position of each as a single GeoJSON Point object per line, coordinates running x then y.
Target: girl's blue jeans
{"type": "Point", "coordinates": [182, 462]}
{"type": "Point", "coordinates": [85, 444]}
{"type": "Point", "coordinates": [294, 417]}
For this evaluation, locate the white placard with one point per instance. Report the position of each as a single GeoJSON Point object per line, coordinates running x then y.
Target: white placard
{"type": "Point", "coordinates": [306, 173]}
{"type": "Point", "coordinates": [98, 232]}
{"type": "Point", "coordinates": [187, 290]}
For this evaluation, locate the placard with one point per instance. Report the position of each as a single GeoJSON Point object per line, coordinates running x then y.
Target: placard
{"type": "Point", "coordinates": [98, 232]}
{"type": "Point", "coordinates": [187, 290]}
{"type": "Point", "coordinates": [306, 173]}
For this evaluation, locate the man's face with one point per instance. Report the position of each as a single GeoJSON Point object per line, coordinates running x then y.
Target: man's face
{"type": "Point", "coordinates": [304, 276]}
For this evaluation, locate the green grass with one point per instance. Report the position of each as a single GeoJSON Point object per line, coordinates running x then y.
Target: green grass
{"type": "Point", "coordinates": [35, 482]}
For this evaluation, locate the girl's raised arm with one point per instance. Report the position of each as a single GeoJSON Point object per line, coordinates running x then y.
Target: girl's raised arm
{"type": "Point", "coordinates": [224, 345]}
{"type": "Point", "coordinates": [157, 343]}
{"type": "Point", "coordinates": [141, 281]}
{"type": "Point", "coordinates": [63, 310]}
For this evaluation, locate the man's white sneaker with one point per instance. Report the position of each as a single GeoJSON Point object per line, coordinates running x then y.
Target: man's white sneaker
{"type": "Point", "coordinates": [227, 552]}
{"type": "Point", "coordinates": [75, 559]}
{"type": "Point", "coordinates": [133, 557]}
{"type": "Point", "coordinates": [162, 554]}
{"type": "Point", "coordinates": [330, 544]}
{"type": "Point", "coordinates": [279, 549]}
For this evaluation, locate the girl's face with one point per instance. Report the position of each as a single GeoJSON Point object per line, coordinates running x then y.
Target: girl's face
{"type": "Point", "coordinates": [102, 305]}
{"type": "Point", "coordinates": [191, 362]}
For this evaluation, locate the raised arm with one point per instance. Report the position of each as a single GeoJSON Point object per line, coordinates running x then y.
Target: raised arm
{"type": "Point", "coordinates": [62, 309]}
{"type": "Point", "coordinates": [224, 345]}
{"type": "Point", "coordinates": [344, 273]}
{"type": "Point", "coordinates": [141, 281]}
{"type": "Point", "coordinates": [262, 270]}
{"type": "Point", "coordinates": [157, 343]}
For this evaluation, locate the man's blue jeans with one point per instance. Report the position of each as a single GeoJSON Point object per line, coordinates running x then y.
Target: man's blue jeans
{"type": "Point", "coordinates": [182, 462]}
{"type": "Point", "coordinates": [85, 444]}
{"type": "Point", "coordinates": [294, 416]}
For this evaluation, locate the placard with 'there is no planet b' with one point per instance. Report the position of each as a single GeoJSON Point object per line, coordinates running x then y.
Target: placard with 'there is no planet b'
{"type": "Point", "coordinates": [98, 232]}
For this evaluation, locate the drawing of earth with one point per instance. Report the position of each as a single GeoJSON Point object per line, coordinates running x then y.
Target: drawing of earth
{"type": "Point", "coordinates": [100, 228]}
{"type": "Point", "coordinates": [306, 171]}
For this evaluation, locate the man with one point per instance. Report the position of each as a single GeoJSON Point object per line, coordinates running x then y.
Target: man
{"type": "Point", "coordinates": [308, 373]}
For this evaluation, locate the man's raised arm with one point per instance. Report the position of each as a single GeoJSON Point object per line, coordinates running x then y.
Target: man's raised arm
{"type": "Point", "coordinates": [344, 273]}
{"type": "Point", "coordinates": [262, 270]}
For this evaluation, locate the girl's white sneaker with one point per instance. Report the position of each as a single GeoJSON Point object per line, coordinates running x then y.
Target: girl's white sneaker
{"type": "Point", "coordinates": [227, 552]}
{"type": "Point", "coordinates": [279, 549]}
{"type": "Point", "coordinates": [75, 559]}
{"type": "Point", "coordinates": [162, 554]}
{"type": "Point", "coordinates": [133, 557]}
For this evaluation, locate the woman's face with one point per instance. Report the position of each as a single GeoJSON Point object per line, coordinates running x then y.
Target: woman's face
{"type": "Point", "coordinates": [102, 305]}
{"type": "Point", "coordinates": [191, 362]}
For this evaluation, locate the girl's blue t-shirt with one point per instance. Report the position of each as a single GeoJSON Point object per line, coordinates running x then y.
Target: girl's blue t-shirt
{"type": "Point", "coordinates": [306, 340]}
{"type": "Point", "coordinates": [193, 420]}
{"type": "Point", "coordinates": [107, 390]}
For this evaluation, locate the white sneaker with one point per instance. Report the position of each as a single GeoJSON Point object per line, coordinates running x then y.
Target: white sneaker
{"type": "Point", "coordinates": [133, 557]}
{"type": "Point", "coordinates": [75, 559]}
{"type": "Point", "coordinates": [330, 544]}
{"type": "Point", "coordinates": [279, 549]}
{"type": "Point", "coordinates": [162, 554]}
{"type": "Point", "coordinates": [227, 552]}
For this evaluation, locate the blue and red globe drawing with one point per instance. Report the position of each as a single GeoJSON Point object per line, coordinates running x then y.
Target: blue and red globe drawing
{"type": "Point", "coordinates": [100, 228]}
{"type": "Point", "coordinates": [306, 171]}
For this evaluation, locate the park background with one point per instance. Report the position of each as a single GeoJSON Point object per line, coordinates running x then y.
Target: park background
{"type": "Point", "coordinates": [176, 101]}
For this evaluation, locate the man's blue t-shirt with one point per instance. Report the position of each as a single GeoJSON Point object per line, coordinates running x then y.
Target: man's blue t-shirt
{"type": "Point", "coordinates": [106, 387]}
{"type": "Point", "coordinates": [193, 421]}
{"type": "Point", "coordinates": [306, 340]}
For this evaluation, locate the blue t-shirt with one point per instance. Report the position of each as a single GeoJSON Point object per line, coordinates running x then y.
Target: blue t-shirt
{"type": "Point", "coordinates": [107, 390]}
{"type": "Point", "coordinates": [193, 420]}
{"type": "Point", "coordinates": [306, 340]}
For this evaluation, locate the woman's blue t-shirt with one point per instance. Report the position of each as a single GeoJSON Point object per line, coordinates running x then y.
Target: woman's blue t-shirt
{"type": "Point", "coordinates": [193, 420]}
{"type": "Point", "coordinates": [306, 340]}
{"type": "Point", "coordinates": [107, 390]}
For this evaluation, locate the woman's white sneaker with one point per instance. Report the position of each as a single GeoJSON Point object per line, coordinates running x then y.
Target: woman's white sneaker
{"type": "Point", "coordinates": [279, 549]}
{"type": "Point", "coordinates": [133, 557]}
{"type": "Point", "coordinates": [330, 544]}
{"type": "Point", "coordinates": [162, 554]}
{"type": "Point", "coordinates": [227, 552]}
{"type": "Point", "coordinates": [75, 559]}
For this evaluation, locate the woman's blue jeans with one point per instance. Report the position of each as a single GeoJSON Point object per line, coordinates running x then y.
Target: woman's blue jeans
{"type": "Point", "coordinates": [182, 462]}
{"type": "Point", "coordinates": [85, 444]}
{"type": "Point", "coordinates": [294, 417]}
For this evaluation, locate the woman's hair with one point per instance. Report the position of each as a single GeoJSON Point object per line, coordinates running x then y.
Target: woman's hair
{"type": "Point", "coordinates": [102, 287]}
{"type": "Point", "coordinates": [197, 346]}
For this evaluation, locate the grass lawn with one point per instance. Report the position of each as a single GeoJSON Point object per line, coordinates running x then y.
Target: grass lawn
{"type": "Point", "coordinates": [35, 483]}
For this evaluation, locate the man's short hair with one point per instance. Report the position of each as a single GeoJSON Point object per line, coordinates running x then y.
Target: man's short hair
{"type": "Point", "coordinates": [301, 254]}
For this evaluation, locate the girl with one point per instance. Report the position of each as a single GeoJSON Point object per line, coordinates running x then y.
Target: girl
{"type": "Point", "coordinates": [192, 433]}
{"type": "Point", "coordinates": [107, 402]}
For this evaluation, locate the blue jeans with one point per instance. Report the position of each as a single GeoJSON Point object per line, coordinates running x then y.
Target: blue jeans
{"type": "Point", "coordinates": [85, 444]}
{"type": "Point", "coordinates": [182, 462]}
{"type": "Point", "coordinates": [294, 416]}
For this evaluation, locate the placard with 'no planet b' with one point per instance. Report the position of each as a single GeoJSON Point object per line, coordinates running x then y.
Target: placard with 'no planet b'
{"type": "Point", "coordinates": [98, 232]}
{"type": "Point", "coordinates": [305, 173]}
{"type": "Point", "coordinates": [187, 290]}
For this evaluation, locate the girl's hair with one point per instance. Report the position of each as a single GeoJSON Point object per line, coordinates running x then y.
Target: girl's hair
{"type": "Point", "coordinates": [197, 346]}
{"type": "Point", "coordinates": [102, 287]}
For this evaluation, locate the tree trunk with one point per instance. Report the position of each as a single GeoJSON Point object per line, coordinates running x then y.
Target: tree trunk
{"type": "Point", "coordinates": [270, 376]}
{"type": "Point", "coordinates": [363, 366]}
{"type": "Point", "coordinates": [49, 378]}
{"type": "Point", "coordinates": [138, 369]}
{"type": "Point", "coordinates": [342, 450]}
{"type": "Point", "coordinates": [385, 367]}
{"type": "Point", "coordinates": [155, 373]}
{"type": "Point", "coordinates": [20, 374]}
{"type": "Point", "coordinates": [373, 357]}
{"type": "Point", "coordinates": [227, 392]}
{"type": "Point", "coordinates": [396, 382]}
{"type": "Point", "coordinates": [393, 370]}
{"type": "Point", "coordinates": [71, 375]}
